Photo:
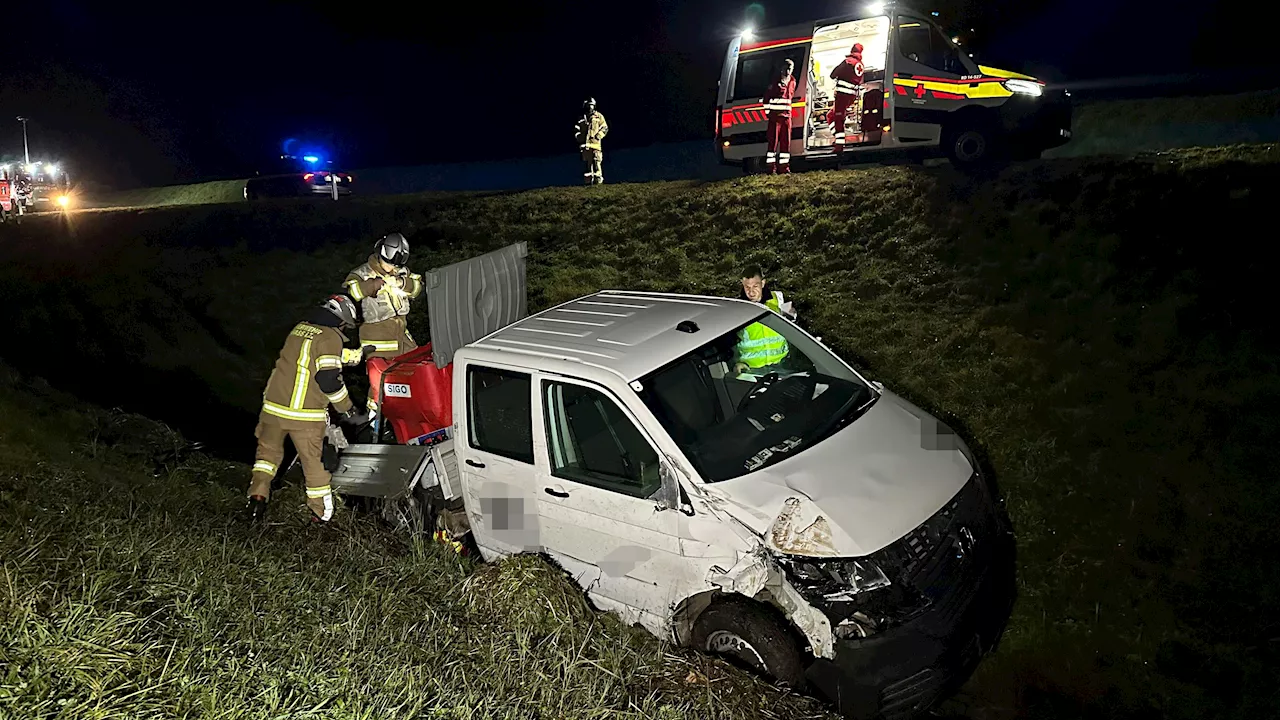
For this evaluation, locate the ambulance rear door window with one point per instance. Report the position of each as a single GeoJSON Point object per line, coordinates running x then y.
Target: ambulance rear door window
{"type": "Point", "coordinates": [757, 69]}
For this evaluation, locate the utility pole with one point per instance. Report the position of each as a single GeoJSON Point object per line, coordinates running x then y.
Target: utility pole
{"type": "Point", "coordinates": [26, 151]}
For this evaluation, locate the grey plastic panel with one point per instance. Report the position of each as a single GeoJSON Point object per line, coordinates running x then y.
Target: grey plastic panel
{"type": "Point", "coordinates": [472, 298]}
{"type": "Point", "coordinates": [379, 471]}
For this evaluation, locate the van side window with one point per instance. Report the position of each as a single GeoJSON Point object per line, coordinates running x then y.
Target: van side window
{"type": "Point", "coordinates": [924, 43]}
{"type": "Point", "coordinates": [757, 69]}
{"type": "Point", "coordinates": [591, 441]}
{"type": "Point", "coordinates": [500, 412]}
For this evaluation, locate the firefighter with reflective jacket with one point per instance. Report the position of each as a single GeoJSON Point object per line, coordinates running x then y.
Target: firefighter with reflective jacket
{"type": "Point", "coordinates": [384, 288]}
{"type": "Point", "coordinates": [589, 131]}
{"type": "Point", "coordinates": [848, 76]}
{"type": "Point", "coordinates": [307, 379]}
{"type": "Point", "coordinates": [777, 104]}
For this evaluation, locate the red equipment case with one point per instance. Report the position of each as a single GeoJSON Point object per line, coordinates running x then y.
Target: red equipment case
{"type": "Point", "coordinates": [417, 397]}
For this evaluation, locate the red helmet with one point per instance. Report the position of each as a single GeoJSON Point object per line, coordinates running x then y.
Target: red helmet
{"type": "Point", "coordinates": [857, 49]}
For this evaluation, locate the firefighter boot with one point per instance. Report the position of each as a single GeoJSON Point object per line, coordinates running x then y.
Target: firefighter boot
{"type": "Point", "coordinates": [257, 509]}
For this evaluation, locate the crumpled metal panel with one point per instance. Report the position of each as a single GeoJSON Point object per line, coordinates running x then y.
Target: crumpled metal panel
{"type": "Point", "coordinates": [472, 298]}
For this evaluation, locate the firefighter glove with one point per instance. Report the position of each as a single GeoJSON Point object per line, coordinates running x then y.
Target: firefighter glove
{"type": "Point", "coordinates": [366, 351]}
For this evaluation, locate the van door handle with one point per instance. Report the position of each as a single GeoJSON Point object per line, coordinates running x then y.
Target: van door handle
{"type": "Point", "coordinates": [557, 493]}
{"type": "Point", "coordinates": [474, 464]}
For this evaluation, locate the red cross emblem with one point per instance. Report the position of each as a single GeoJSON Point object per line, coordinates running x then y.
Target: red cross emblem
{"type": "Point", "coordinates": [920, 90]}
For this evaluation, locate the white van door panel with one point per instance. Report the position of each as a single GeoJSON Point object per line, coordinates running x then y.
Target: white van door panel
{"type": "Point", "coordinates": [493, 419]}
{"type": "Point", "coordinates": [594, 505]}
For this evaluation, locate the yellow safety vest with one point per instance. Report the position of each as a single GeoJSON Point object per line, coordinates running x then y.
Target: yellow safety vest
{"type": "Point", "coordinates": [758, 345]}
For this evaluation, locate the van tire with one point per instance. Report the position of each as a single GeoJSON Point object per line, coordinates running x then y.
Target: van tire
{"type": "Point", "coordinates": [747, 632]}
{"type": "Point", "coordinates": [752, 166]}
{"type": "Point", "coordinates": [971, 146]}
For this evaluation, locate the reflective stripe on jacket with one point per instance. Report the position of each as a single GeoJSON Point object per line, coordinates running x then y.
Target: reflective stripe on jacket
{"type": "Point", "coordinates": [777, 98]}
{"type": "Point", "coordinates": [590, 135]}
{"type": "Point", "coordinates": [308, 376]}
{"type": "Point", "coordinates": [848, 75]}
{"type": "Point", "coordinates": [759, 345]}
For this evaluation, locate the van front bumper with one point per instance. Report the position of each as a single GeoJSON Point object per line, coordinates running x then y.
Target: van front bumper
{"type": "Point", "coordinates": [903, 671]}
{"type": "Point", "coordinates": [1037, 123]}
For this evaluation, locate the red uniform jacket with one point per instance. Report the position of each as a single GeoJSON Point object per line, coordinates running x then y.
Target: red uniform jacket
{"type": "Point", "coordinates": [777, 98]}
{"type": "Point", "coordinates": [848, 73]}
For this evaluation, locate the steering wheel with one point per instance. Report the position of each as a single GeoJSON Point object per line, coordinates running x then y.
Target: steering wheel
{"type": "Point", "coordinates": [761, 388]}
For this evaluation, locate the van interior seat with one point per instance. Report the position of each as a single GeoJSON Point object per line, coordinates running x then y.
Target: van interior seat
{"type": "Point", "coordinates": [688, 398]}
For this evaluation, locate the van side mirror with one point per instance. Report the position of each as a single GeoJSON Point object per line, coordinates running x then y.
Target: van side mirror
{"type": "Point", "coordinates": [670, 496]}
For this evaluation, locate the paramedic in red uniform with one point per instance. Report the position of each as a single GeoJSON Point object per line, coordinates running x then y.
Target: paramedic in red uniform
{"type": "Point", "coordinates": [777, 103]}
{"type": "Point", "coordinates": [848, 77]}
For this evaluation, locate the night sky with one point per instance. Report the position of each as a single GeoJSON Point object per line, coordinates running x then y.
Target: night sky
{"type": "Point", "coordinates": [125, 95]}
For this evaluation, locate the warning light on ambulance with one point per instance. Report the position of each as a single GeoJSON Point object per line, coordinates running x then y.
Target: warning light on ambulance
{"type": "Point", "coordinates": [748, 34]}
{"type": "Point", "coordinates": [874, 8]}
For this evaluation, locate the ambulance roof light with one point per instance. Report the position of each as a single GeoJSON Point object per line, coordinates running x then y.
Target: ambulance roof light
{"type": "Point", "coordinates": [748, 34]}
{"type": "Point", "coordinates": [874, 8]}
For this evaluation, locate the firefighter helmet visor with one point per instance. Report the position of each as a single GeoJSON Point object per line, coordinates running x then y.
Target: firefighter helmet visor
{"type": "Point", "coordinates": [393, 249]}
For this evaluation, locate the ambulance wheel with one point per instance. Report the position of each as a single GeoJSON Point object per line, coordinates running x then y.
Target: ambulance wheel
{"type": "Point", "coordinates": [971, 146]}
{"type": "Point", "coordinates": [753, 166]}
{"type": "Point", "coordinates": [747, 633]}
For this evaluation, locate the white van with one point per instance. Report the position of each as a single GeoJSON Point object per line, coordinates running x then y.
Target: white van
{"type": "Point", "coordinates": [797, 517]}
{"type": "Point", "coordinates": [922, 95]}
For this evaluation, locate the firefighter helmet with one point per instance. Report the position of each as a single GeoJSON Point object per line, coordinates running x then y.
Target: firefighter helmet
{"type": "Point", "coordinates": [342, 308]}
{"type": "Point", "coordinates": [393, 249]}
{"type": "Point", "coordinates": [589, 104]}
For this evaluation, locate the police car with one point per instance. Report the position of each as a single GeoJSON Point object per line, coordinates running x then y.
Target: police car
{"type": "Point", "coordinates": [299, 176]}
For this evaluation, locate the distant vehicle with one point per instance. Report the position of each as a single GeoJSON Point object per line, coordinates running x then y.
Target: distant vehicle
{"type": "Point", "coordinates": [921, 95]}
{"type": "Point", "coordinates": [298, 176]}
{"type": "Point", "coordinates": [34, 187]}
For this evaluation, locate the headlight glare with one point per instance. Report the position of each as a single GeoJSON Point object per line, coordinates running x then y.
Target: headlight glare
{"type": "Point", "coordinates": [1026, 87]}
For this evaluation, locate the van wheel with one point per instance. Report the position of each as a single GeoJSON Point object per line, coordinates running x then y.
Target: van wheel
{"type": "Point", "coordinates": [749, 634]}
{"type": "Point", "coordinates": [971, 147]}
{"type": "Point", "coordinates": [752, 166]}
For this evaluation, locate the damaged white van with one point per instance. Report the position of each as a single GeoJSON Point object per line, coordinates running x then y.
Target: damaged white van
{"type": "Point", "coordinates": [795, 516]}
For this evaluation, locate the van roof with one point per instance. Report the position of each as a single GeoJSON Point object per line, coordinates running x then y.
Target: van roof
{"type": "Point", "coordinates": [628, 333]}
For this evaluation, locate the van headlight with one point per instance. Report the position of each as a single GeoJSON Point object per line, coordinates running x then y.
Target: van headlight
{"type": "Point", "coordinates": [834, 580]}
{"type": "Point", "coordinates": [1025, 87]}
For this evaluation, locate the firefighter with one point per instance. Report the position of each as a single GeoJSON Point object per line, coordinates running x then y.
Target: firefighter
{"type": "Point", "coordinates": [589, 131]}
{"type": "Point", "coordinates": [307, 379]}
{"type": "Point", "coordinates": [384, 286]}
{"type": "Point", "coordinates": [848, 76]}
{"type": "Point", "coordinates": [758, 345]}
{"type": "Point", "coordinates": [777, 103]}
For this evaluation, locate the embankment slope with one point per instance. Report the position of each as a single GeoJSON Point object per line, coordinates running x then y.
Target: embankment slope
{"type": "Point", "coordinates": [1098, 326]}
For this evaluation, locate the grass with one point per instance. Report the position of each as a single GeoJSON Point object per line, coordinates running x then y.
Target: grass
{"type": "Point", "coordinates": [1090, 323]}
{"type": "Point", "coordinates": [1154, 124]}
{"type": "Point", "coordinates": [217, 191]}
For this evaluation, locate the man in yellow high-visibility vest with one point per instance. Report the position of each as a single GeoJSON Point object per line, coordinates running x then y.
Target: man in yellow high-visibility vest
{"type": "Point", "coordinates": [759, 346]}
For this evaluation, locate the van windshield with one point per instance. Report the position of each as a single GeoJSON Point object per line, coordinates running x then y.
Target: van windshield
{"type": "Point", "coordinates": [752, 397]}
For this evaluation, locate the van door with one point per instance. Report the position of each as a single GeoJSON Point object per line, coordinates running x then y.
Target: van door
{"type": "Point", "coordinates": [598, 481]}
{"type": "Point", "coordinates": [932, 79]}
{"type": "Point", "coordinates": [493, 411]}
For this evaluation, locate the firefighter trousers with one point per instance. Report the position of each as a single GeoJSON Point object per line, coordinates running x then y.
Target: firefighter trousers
{"type": "Point", "coordinates": [592, 166]}
{"type": "Point", "coordinates": [308, 438]}
{"type": "Point", "coordinates": [778, 159]}
{"type": "Point", "coordinates": [844, 103]}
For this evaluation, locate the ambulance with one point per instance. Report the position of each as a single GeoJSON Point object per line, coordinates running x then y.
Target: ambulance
{"type": "Point", "coordinates": [921, 95]}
